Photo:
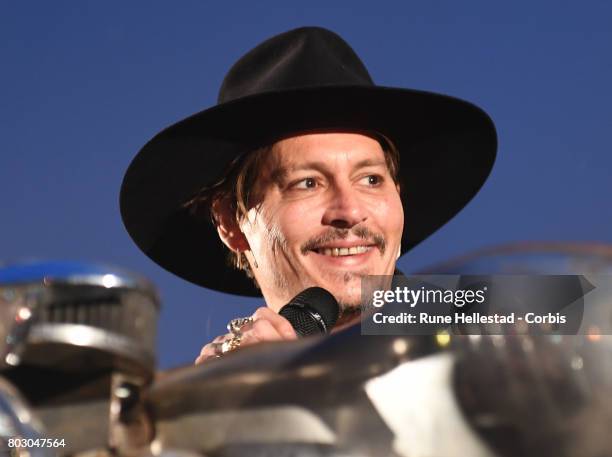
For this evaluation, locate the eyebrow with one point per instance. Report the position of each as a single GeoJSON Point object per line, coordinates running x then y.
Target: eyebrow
{"type": "Point", "coordinates": [281, 172]}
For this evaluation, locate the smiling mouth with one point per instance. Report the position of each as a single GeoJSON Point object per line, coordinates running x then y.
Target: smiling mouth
{"type": "Point", "coordinates": [342, 252]}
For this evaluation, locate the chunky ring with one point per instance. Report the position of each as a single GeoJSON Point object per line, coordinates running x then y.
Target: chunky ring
{"type": "Point", "coordinates": [230, 344]}
{"type": "Point", "coordinates": [235, 325]}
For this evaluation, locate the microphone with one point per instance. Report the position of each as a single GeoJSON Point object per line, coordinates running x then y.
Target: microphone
{"type": "Point", "coordinates": [314, 311]}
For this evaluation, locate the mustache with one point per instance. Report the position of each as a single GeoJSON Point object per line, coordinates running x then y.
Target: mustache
{"type": "Point", "coordinates": [335, 234]}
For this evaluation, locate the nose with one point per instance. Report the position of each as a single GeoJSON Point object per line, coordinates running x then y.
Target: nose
{"type": "Point", "coordinates": [345, 209]}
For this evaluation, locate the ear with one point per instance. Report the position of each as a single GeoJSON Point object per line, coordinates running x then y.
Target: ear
{"type": "Point", "coordinates": [227, 226]}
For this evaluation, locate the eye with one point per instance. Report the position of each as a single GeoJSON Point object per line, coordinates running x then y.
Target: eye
{"type": "Point", "coordinates": [372, 180]}
{"type": "Point", "coordinates": [306, 183]}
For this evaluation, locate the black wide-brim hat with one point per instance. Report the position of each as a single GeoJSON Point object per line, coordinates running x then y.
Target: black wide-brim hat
{"type": "Point", "coordinates": [303, 80]}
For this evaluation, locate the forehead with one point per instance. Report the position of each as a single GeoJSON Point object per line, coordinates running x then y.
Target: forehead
{"type": "Point", "coordinates": [324, 148]}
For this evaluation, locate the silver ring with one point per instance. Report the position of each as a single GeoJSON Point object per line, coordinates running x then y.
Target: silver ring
{"type": "Point", "coordinates": [230, 344]}
{"type": "Point", "coordinates": [235, 325]}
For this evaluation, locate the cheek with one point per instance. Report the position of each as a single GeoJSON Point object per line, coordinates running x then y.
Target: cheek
{"type": "Point", "coordinates": [282, 227]}
{"type": "Point", "coordinates": [397, 213]}
{"type": "Point", "coordinates": [296, 221]}
{"type": "Point", "coordinates": [389, 215]}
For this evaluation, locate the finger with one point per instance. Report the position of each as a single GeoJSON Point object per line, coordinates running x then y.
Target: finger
{"type": "Point", "coordinates": [221, 338]}
{"type": "Point", "coordinates": [282, 325]}
{"type": "Point", "coordinates": [255, 332]}
{"type": "Point", "coordinates": [207, 352]}
{"type": "Point", "coordinates": [261, 330]}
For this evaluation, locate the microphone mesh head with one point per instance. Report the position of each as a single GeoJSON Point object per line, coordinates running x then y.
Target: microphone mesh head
{"type": "Point", "coordinates": [301, 321]}
{"type": "Point", "coordinates": [314, 299]}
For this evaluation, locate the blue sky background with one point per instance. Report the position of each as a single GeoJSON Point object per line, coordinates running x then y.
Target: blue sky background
{"type": "Point", "coordinates": [85, 84]}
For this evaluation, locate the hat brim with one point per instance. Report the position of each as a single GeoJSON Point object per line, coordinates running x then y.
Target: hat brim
{"type": "Point", "coordinates": [447, 148]}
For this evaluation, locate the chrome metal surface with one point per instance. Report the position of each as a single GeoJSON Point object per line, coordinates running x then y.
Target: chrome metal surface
{"type": "Point", "coordinates": [538, 395]}
{"type": "Point", "coordinates": [18, 421]}
{"type": "Point", "coordinates": [305, 397]}
{"type": "Point", "coordinates": [316, 367]}
{"type": "Point", "coordinates": [103, 348]}
{"type": "Point", "coordinates": [346, 394]}
{"type": "Point", "coordinates": [131, 429]}
{"type": "Point", "coordinates": [86, 325]}
{"type": "Point", "coordinates": [83, 425]}
{"type": "Point", "coordinates": [350, 395]}
{"type": "Point", "coordinates": [15, 321]}
{"type": "Point", "coordinates": [76, 307]}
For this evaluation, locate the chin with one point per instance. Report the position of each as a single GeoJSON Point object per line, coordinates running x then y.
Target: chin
{"type": "Point", "coordinates": [348, 296]}
{"type": "Point", "coordinates": [344, 286]}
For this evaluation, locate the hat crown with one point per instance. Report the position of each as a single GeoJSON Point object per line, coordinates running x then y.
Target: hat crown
{"type": "Point", "coordinates": [299, 58]}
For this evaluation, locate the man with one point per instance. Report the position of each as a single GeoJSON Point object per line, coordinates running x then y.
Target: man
{"type": "Point", "coordinates": [298, 165]}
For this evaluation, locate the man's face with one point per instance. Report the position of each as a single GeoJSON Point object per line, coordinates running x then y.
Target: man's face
{"type": "Point", "coordinates": [326, 212]}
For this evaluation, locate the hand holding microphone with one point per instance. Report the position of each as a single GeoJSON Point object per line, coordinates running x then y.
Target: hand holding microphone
{"type": "Point", "coordinates": [313, 311]}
